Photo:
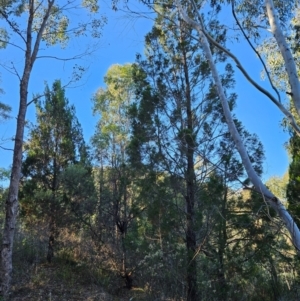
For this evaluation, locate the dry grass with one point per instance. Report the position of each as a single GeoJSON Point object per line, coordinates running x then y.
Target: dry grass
{"type": "Point", "coordinates": [57, 282]}
{"type": "Point", "coordinates": [73, 275]}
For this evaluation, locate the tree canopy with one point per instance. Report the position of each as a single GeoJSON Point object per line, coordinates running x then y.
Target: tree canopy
{"type": "Point", "coordinates": [168, 200]}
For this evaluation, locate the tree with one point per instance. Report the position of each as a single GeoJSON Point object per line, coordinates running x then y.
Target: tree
{"type": "Point", "coordinates": [46, 23]}
{"type": "Point", "coordinates": [288, 186]}
{"type": "Point", "coordinates": [226, 231]}
{"type": "Point", "coordinates": [294, 85]}
{"type": "Point", "coordinates": [177, 127]}
{"type": "Point", "coordinates": [292, 191]}
{"type": "Point", "coordinates": [55, 144]}
{"type": "Point", "coordinates": [112, 104]}
{"type": "Point", "coordinates": [117, 207]}
{"type": "Point", "coordinates": [278, 185]}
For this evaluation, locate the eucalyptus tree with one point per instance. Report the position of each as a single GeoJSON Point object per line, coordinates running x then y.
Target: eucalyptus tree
{"type": "Point", "coordinates": [288, 186]}
{"type": "Point", "coordinates": [112, 103]}
{"type": "Point", "coordinates": [110, 141]}
{"type": "Point", "coordinates": [29, 26]}
{"type": "Point", "coordinates": [206, 41]}
{"type": "Point", "coordinates": [278, 185]}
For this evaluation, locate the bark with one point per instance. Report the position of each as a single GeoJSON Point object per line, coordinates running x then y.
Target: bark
{"type": "Point", "coordinates": [50, 252]}
{"type": "Point", "coordinates": [286, 53]}
{"type": "Point", "coordinates": [275, 282]}
{"type": "Point", "coordinates": [11, 206]}
{"type": "Point", "coordinates": [277, 102]}
{"type": "Point", "coordinates": [53, 202]}
{"type": "Point", "coordinates": [190, 193]}
{"type": "Point", "coordinates": [12, 199]}
{"type": "Point", "coordinates": [53, 233]}
{"type": "Point", "coordinates": [222, 283]}
{"type": "Point", "coordinates": [272, 200]}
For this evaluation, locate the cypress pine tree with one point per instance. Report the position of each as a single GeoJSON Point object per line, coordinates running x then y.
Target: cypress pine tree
{"type": "Point", "coordinates": [293, 187]}
{"type": "Point", "coordinates": [175, 122]}
{"type": "Point", "coordinates": [54, 144]}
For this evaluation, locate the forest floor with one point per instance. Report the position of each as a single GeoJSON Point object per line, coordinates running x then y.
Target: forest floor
{"type": "Point", "coordinates": [61, 282]}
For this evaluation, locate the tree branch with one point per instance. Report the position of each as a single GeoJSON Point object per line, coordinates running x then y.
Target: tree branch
{"type": "Point", "coordinates": [4, 148]}
{"type": "Point", "coordinates": [16, 72]}
{"type": "Point", "coordinates": [41, 30]}
{"type": "Point", "coordinates": [78, 56]}
{"type": "Point", "coordinates": [253, 48]}
{"type": "Point", "coordinates": [272, 200]}
{"type": "Point", "coordinates": [286, 53]}
{"type": "Point", "coordinates": [12, 44]}
{"type": "Point", "coordinates": [42, 95]}
{"type": "Point", "coordinates": [11, 24]}
{"type": "Point", "coordinates": [282, 108]}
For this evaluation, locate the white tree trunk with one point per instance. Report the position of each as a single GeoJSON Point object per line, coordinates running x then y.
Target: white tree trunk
{"type": "Point", "coordinates": [273, 201]}
{"type": "Point", "coordinates": [286, 53]}
{"type": "Point", "coordinates": [277, 102]}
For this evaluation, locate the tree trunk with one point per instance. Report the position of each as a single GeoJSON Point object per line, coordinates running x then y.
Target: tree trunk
{"type": "Point", "coordinates": [222, 284]}
{"type": "Point", "coordinates": [192, 294]}
{"type": "Point", "coordinates": [52, 238]}
{"type": "Point", "coordinates": [12, 202]}
{"type": "Point", "coordinates": [286, 53]}
{"type": "Point", "coordinates": [272, 200]}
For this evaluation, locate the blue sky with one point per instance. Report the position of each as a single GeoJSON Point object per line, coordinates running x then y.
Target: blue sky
{"type": "Point", "coordinates": [259, 115]}
{"type": "Point", "coordinates": [122, 38]}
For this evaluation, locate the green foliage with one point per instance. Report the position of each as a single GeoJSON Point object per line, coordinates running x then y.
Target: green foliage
{"type": "Point", "coordinates": [61, 24]}
{"type": "Point", "coordinates": [4, 174]}
{"type": "Point", "coordinates": [278, 185]}
{"type": "Point", "coordinates": [234, 232]}
{"type": "Point", "coordinates": [171, 119]}
{"type": "Point", "coordinates": [269, 50]}
{"type": "Point", "coordinates": [4, 111]}
{"type": "Point", "coordinates": [4, 38]}
{"type": "Point", "coordinates": [275, 63]}
{"type": "Point", "coordinates": [57, 180]}
{"type": "Point", "coordinates": [112, 104]}
{"type": "Point", "coordinates": [167, 204]}
{"type": "Point", "coordinates": [4, 177]}
{"type": "Point", "coordinates": [294, 180]}
{"type": "Point", "coordinates": [118, 207]}
{"type": "Point", "coordinates": [79, 193]}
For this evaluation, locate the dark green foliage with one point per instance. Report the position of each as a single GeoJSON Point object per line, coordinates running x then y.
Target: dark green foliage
{"type": "Point", "coordinates": [179, 135]}
{"type": "Point", "coordinates": [56, 170]}
{"type": "Point", "coordinates": [293, 187]}
{"type": "Point", "coordinates": [175, 120]}
{"type": "Point", "coordinates": [4, 111]}
{"type": "Point", "coordinates": [169, 211]}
